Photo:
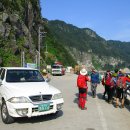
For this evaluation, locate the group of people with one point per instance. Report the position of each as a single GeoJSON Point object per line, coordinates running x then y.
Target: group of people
{"type": "Point", "coordinates": [114, 84]}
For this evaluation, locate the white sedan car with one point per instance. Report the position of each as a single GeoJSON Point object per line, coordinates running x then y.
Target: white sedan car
{"type": "Point", "coordinates": [24, 93]}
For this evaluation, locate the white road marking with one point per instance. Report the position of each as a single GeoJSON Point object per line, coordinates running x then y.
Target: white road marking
{"type": "Point", "coordinates": [101, 115]}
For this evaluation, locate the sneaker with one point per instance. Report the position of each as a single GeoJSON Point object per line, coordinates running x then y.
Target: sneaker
{"type": "Point", "coordinates": [110, 101]}
{"type": "Point", "coordinates": [117, 106]}
{"type": "Point", "coordinates": [103, 97]}
{"type": "Point", "coordinates": [85, 108]}
{"type": "Point", "coordinates": [94, 96]}
{"type": "Point", "coordinates": [122, 106]}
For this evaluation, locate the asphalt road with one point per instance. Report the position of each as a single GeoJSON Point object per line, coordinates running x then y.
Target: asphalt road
{"type": "Point", "coordinates": [99, 116]}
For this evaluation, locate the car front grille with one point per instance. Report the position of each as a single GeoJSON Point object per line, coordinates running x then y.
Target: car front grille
{"type": "Point", "coordinates": [39, 98]}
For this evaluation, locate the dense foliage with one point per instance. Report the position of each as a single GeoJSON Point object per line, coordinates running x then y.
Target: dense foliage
{"type": "Point", "coordinates": [56, 51]}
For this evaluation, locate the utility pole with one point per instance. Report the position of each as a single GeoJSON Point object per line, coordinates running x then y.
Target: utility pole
{"type": "Point", "coordinates": [46, 52]}
{"type": "Point", "coordinates": [39, 47]}
{"type": "Point", "coordinates": [36, 57]}
{"type": "Point", "coordinates": [40, 35]}
{"type": "Point", "coordinates": [22, 59]}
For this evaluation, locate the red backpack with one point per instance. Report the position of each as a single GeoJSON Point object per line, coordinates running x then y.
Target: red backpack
{"type": "Point", "coordinates": [120, 82]}
{"type": "Point", "coordinates": [108, 79]}
{"type": "Point", "coordinates": [81, 81]}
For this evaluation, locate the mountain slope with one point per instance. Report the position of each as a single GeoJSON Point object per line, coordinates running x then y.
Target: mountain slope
{"type": "Point", "coordinates": [19, 21]}
{"type": "Point", "coordinates": [84, 43]}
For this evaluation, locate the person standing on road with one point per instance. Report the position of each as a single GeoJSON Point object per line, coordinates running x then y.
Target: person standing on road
{"type": "Point", "coordinates": [45, 75]}
{"type": "Point", "coordinates": [94, 82]}
{"type": "Point", "coordinates": [115, 75]}
{"type": "Point", "coordinates": [83, 88]}
{"type": "Point", "coordinates": [121, 87]}
{"type": "Point", "coordinates": [107, 82]}
{"type": "Point", "coordinates": [113, 87]}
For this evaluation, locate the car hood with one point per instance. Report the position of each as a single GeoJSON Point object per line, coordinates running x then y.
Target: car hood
{"type": "Point", "coordinates": [30, 88]}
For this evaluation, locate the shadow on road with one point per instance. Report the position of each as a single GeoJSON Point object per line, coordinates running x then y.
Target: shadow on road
{"type": "Point", "coordinates": [127, 107]}
{"type": "Point", "coordinates": [89, 93]}
{"type": "Point", "coordinates": [100, 96]}
{"type": "Point", "coordinates": [76, 99]}
{"type": "Point", "coordinates": [39, 118]}
{"type": "Point", "coordinates": [127, 102]}
{"type": "Point", "coordinates": [77, 95]}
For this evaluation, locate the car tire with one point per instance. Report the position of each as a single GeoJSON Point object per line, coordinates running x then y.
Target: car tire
{"type": "Point", "coordinates": [6, 118]}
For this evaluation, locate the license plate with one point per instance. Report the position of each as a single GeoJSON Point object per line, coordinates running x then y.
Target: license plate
{"type": "Point", "coordinates": [44, 107]}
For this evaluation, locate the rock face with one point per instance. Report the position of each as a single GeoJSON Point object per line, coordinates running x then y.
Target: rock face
{"type": "Point", "coordinates": [19, 22]}
{"type": "Point", "coordinates": [90, 59]}
{"type": "Point", "coordinates": [90, 32]}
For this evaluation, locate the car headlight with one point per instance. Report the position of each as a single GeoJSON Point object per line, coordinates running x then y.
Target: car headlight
{"type": "Point", "coordinates": [57, 96]}
{"type": "Point", "coordinates": [19, 100]}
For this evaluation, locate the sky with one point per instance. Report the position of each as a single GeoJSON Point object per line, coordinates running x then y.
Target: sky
{"type": "Point", "coordinates": [110, 19]}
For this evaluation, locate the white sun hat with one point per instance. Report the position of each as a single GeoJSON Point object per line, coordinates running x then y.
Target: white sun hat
{"type": "Point", "coordinates": [83, 72]}
{"type": "Point", "coordinates": [44, 71]}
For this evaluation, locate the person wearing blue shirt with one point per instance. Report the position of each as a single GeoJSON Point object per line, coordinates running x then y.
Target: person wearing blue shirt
{"type": "Point", "coordinates": [95, 80]}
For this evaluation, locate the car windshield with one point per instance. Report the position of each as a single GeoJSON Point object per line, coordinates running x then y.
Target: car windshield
{"type": "Point", "coordinates": [24, 76]}
{"type": "Point", "coordinates": [56, 67]}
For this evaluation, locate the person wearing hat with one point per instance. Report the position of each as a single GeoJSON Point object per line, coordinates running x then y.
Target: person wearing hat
{"type": "Point", "coordinates": [82, 86]}
{"type": "Point", "coordinates": [95, 80]}
{"type": "Point", "coordinates": [45, 75]}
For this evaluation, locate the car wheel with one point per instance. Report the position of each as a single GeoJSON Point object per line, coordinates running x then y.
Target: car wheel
{"type": "Point", "coordinates": [6, 118]}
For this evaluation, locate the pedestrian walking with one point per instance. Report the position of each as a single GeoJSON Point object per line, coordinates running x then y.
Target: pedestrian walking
{"type": "Point", "coordinates": [94, 82]}
{"type": "Point", "coordinates": [83, 88]}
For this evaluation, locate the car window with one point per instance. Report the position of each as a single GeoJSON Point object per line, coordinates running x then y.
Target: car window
{"type": "Point", "coordinates": [56, 67]}
{"type": "Point", "coordinates": [24, 76]}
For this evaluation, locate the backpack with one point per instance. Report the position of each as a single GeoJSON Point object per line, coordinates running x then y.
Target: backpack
{"type": "Point", "coordinates": [108, 79]}
{"type": "Point", "coordinates": [120, 83]}
{"type": "Point", "coordinates": [114, 82]}
{"type": "Point", "coordinates": [81, 81]}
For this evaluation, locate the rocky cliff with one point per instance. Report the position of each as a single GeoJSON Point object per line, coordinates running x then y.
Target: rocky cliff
{"type": "Point", "coordinates": [19, 22]}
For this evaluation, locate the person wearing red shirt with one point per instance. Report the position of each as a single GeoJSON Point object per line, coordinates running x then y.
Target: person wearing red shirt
{"type": "Point", "coordinates": [121, 87]}
{"type": "Point", "coordinates": [107, 83]}
{"type": "Point", "coordinates": [82, 86]}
